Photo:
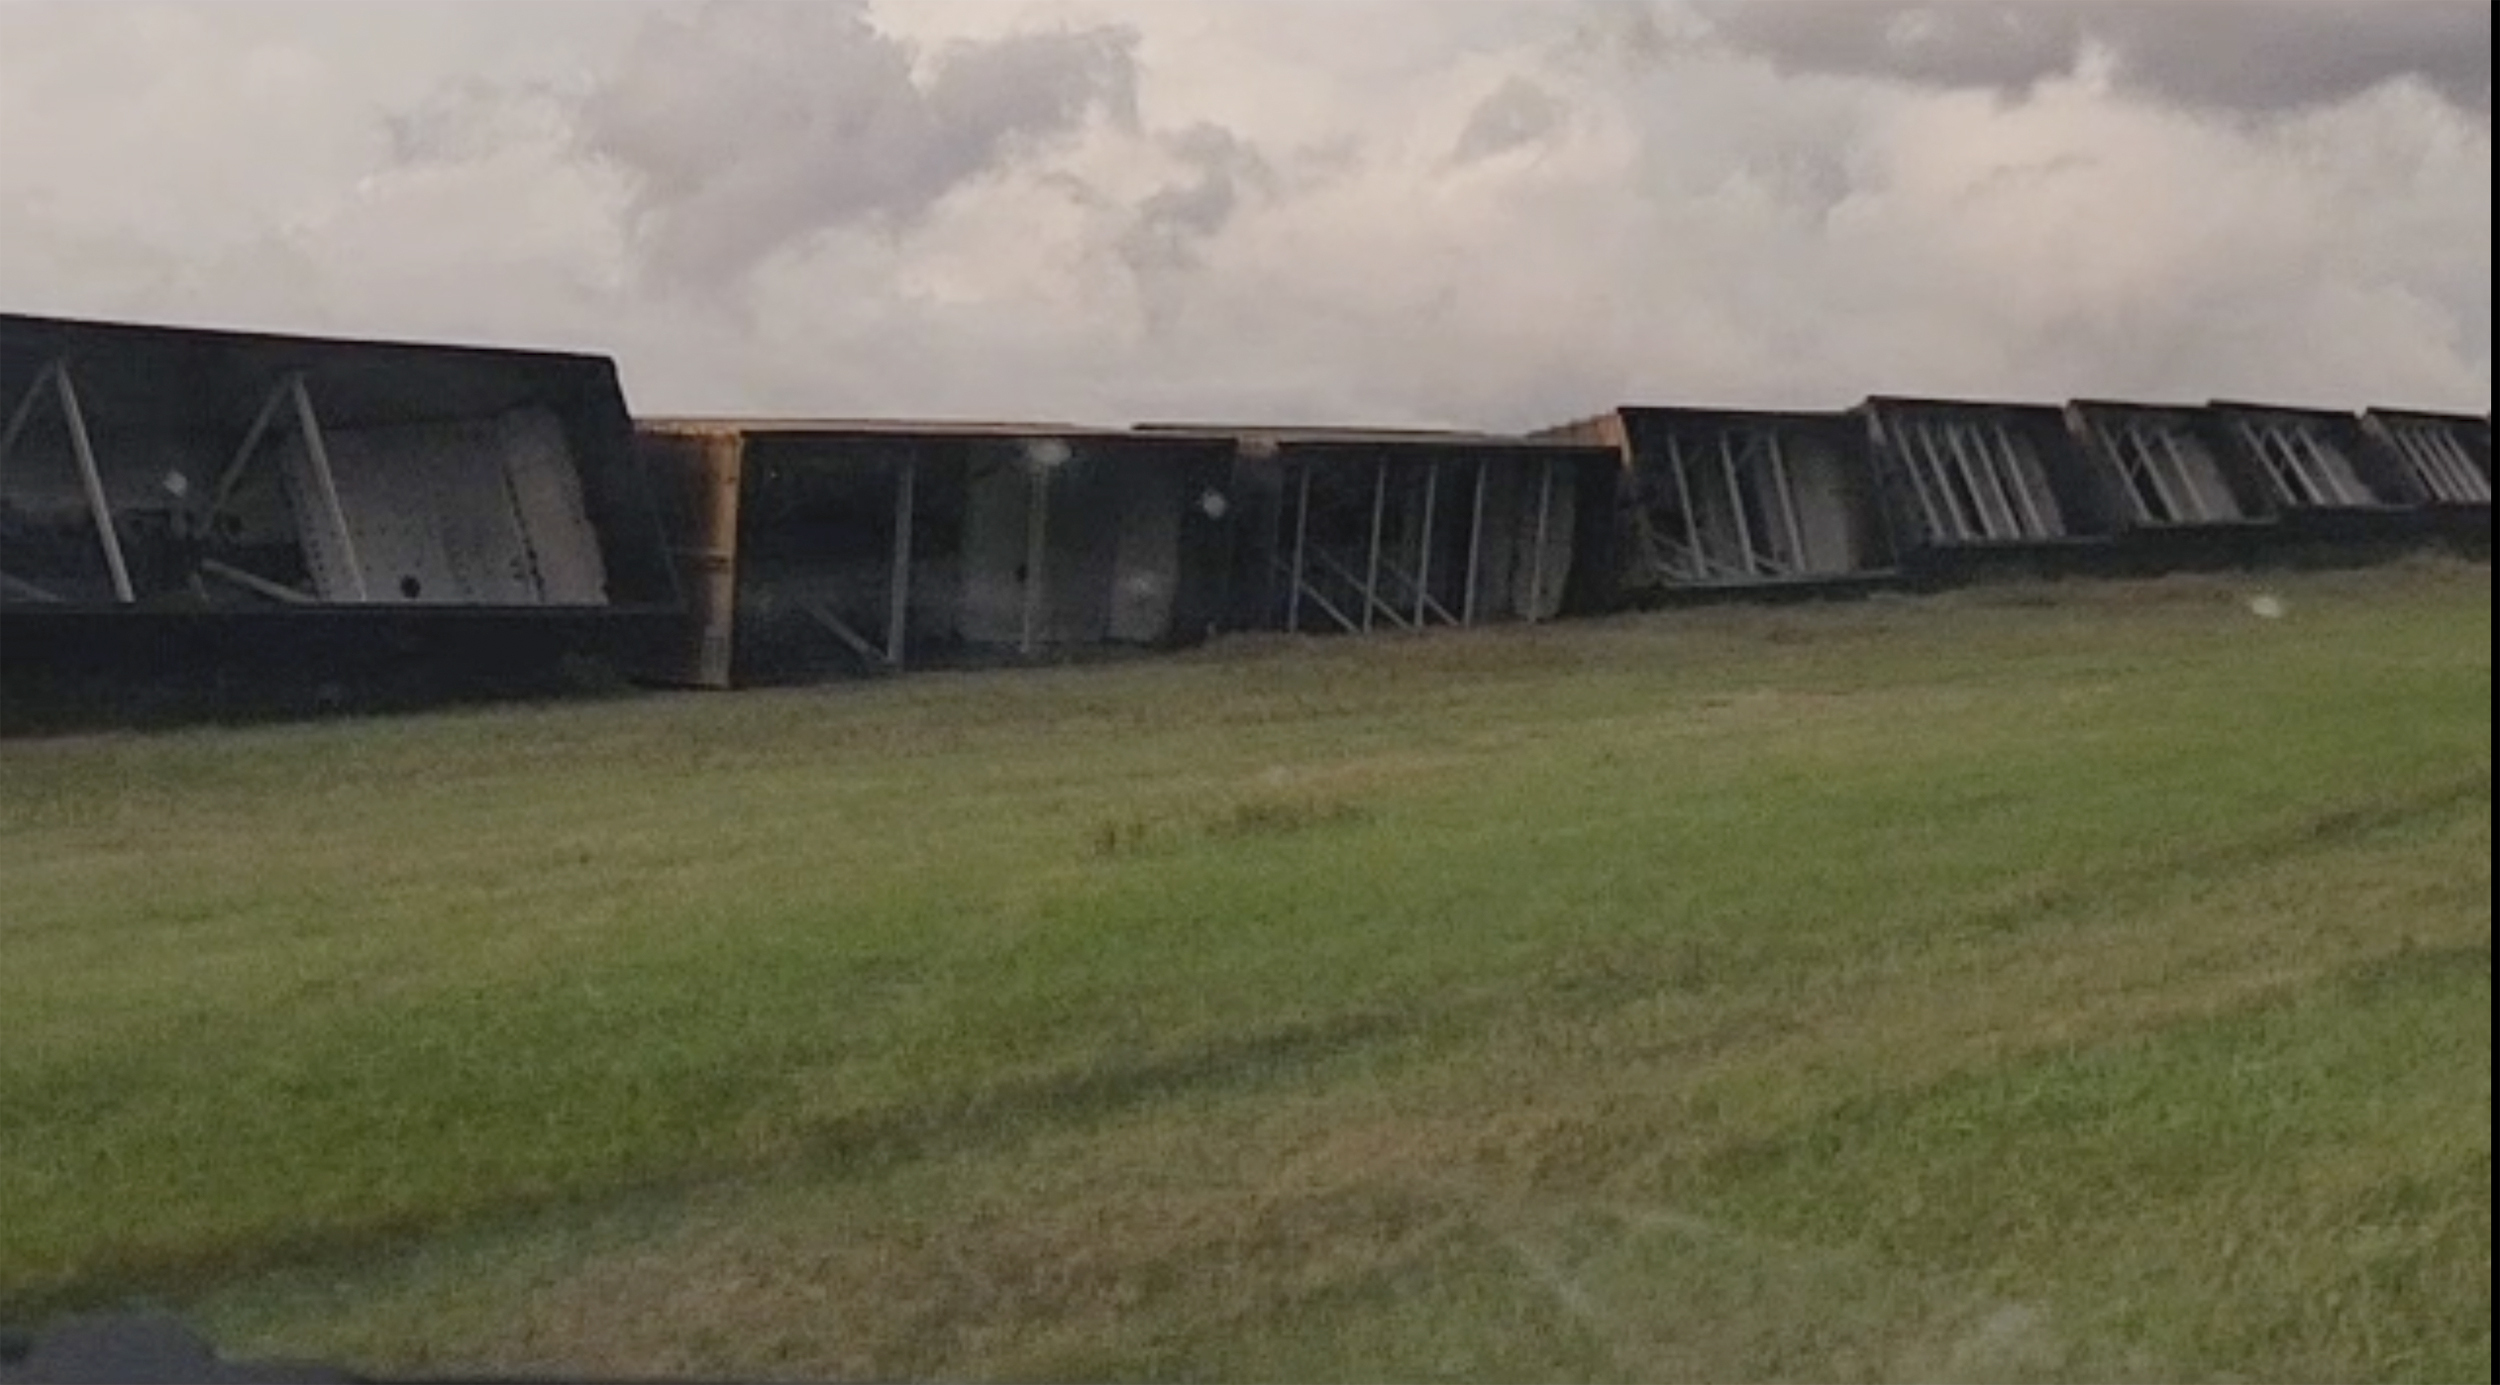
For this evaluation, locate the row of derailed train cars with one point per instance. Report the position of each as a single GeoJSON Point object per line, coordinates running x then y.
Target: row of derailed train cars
{"type": "Point", "coordinates": [1898, 490]}
{"type": "Point", "coordinates": [187, 511]}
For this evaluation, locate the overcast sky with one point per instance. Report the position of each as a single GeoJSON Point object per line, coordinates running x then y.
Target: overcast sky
{"type": "Point", "coordinates": [1474, 212]}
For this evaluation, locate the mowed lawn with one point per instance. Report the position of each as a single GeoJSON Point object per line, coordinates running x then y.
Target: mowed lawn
{"type": "Point", "coordinates": [2081, 982]}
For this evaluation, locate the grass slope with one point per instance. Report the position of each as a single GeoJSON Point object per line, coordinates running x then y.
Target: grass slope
{"type": "Point", "coordinates": [2075, 983]}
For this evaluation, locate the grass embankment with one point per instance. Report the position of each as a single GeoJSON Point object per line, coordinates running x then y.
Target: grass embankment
{"type": "Point", "coordinates": [2076, 983]}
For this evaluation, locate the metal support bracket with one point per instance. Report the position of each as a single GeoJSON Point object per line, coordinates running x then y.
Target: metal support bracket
{"type": "Point", "coordinates": [82, 449]}
{"type": "Point", "coordinates": [1303, 588]}
{"type": "Point", "coordinates": [293, 391]}
{"type": "Point", "coordinates": [841, 630]}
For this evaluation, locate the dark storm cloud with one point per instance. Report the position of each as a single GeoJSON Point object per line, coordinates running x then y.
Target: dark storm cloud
{"type": "Point", "coordinates": [746, 127]}
{"type": "Point", "coordinates": [2249, 56]}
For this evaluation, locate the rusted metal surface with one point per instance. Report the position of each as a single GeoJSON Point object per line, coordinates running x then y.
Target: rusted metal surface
{"type": "Point", "coordinates": [1602, 430]}
{"type": "Point", "coordinates": [698, 475]}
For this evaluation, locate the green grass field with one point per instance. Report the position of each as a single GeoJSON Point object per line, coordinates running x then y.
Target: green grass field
{"type": "Point", "coordinates": [2085, 982]}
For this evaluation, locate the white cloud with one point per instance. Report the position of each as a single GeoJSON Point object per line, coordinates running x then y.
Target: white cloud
{"type": "Point", "coordinates": [1502, 212]}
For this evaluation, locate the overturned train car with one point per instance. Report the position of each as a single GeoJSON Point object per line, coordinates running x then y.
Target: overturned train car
{"type": "Point", "coordinates": [823, 548]}
{"type": "Point", "coordinates": [1352, 531]}
{"type": "Point", "coordinates": [250, 519]}
{"type": "Point", "coordinates": [1718, 503]}
{"type": "Point", "coordinates": [828, 548]}
{"type": "Point", "coordinates": [310, 522]}
{"type": "Point", "coordinates": [1729, 504]}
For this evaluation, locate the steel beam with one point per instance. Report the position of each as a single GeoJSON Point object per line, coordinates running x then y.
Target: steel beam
{"type": "Point", "coordinates": [1736, 506]}
{"type": "Point", "coordinates": [2442, 464]}
{"type": "Point", "coordinates": [82, 451]}
{"type": "Point", "coordinates": [233, 475]}
{"type": "Point", "coordinates": [1423, 559]}
{"type": "Point", "coordinates": [1974, 473]}
{"type": "Point", "coordinates": [91, 478]}
{"type": "Point", "coordinates": [2186, 464]}
{"type": "Point", "coordinates": [1785, 487]}
{"type": "Point", "coordinates": [1544, 512]}
{"type": "Point", "coordinates": [1372, 603]}
{"type": "Point", "coordinates": [2021, 502]}
{"type": "Point", "coordinates": [1036, 541]}
{"type": "Point", "coordinates": [1692, 517]}
{"type": "Point", "coordinates": [2421, 457]}
{"type": "Point", "coordinates": [2423, 452]}
{"type": "Point", "coordinates": [2287, 483]}
{"type": "Point", "coordinates": [1301, 544]}
{"type": "Point", "coordinates": [898, 598]}
{"type": "Point", "coordinates": [25, 410]}
{"type": "Point", "coordinates": [2476, 484]}
{"type": "Point", "coordinates": [840, 629]}
{"type": "Point", "coordinates": [1380, 510]}
{"type": "Point", "coordinates": [1425, 606]}
{"type": "Point", "coordinates": [2151, 488]}
{"type": "Point", "coordinates": [1475, 544]}
{"type": "Point", "coordinates": [1979, 525]}
{"type": "Point", "coordinates": [1941, 467]}
{"type": "Point", "coordinates": [24, 590]}
{"type": "Point", "coordinates": [317, 452]}
{"type": "Point", "coordinates": [1321, 599]}
{"type": "Point", "coordinates": [252, 581]}
{"type": "Point", "coordinates": [2168, 470]}
{"type": "Point", "coordinates": [2004, 521]}
{"type": "Point", "coordinates": [1921, 483]}
{"type": "Point", "coordinates": [2330, 479]}
{"type": "Point", "coordinates": [2021, 480]}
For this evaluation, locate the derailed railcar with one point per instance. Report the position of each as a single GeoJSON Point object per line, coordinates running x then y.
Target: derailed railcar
{"type": "Point", "coordinates": [1356, 531]}
{"type": "Point", "coordinates": [1747, 504]}
{"type": "Point", "coordinates": [2449, 458]}
{"type": "Point", "coordinates": [1972, 487]}
{"type": "Point", "coordinates": [2332, 484]}
{"type": "Point", "coordinates": [2187, 498]}
{"type": "Point", "coordinates": [826, 548]}
{"type": "Point", "coordinates": [259, 517]}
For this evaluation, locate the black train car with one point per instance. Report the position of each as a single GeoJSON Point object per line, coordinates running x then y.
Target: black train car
{"type": "Point", "coordinates": [214, 520]}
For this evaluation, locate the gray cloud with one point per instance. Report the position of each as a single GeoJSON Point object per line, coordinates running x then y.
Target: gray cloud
{"type": "Point", "coordinates": [1174, 221]}
{"type": "Point", "coordinates": [1520, 112]}
{"type": "Point", "coordinates": [2251, 56]}
{"type": "Point", "coordinates": [747, 126]}
{"type": "Point", "coordinates": [2008, 46]}
{"type": "Point", "coordinates": [951, 207]}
